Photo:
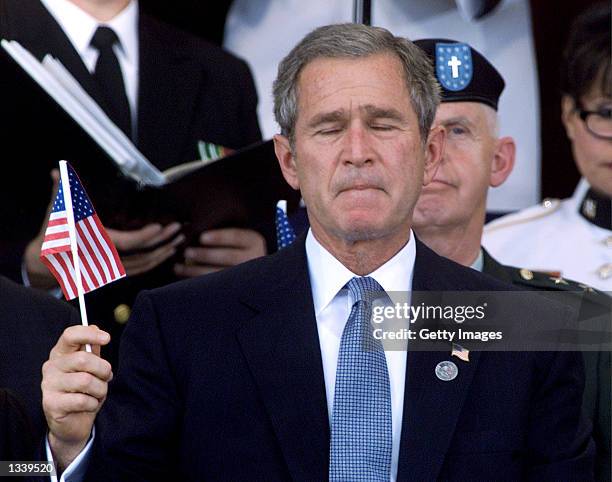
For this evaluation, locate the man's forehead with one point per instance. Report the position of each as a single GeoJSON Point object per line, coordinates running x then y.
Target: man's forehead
{"type": "Point", "coordinates": [369, 84]}
{"type": "Point", "coordinates": [324, 71]}
{"type": "Point", "coordinates": [472, 111]}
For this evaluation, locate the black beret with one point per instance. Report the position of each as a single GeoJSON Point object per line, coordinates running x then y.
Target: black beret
{"type": "Point", "coordinates": [463, 73]}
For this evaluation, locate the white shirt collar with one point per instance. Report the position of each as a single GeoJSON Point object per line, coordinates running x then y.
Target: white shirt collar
{"type": "Point", "coordinates": [328, 276]}
{"type": "Point", "coordinates": [80, 27]}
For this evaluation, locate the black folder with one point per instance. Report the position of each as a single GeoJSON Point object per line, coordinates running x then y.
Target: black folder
{"type": "Point", "coordinates": [240, 190]}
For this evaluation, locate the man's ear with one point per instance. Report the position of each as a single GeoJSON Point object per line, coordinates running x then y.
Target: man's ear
{"type": "Point", "coordinates": [568, 115]}
{"type": "Point", "coordinates": [434, 150]}
{"type": "Point", "coordinates": [503, 161]}
{"type": "Point", "coordinates": [286, 160]}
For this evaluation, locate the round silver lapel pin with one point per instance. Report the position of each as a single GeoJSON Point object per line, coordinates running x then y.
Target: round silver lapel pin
{"type": "Point", "coordinates": [446, 371]}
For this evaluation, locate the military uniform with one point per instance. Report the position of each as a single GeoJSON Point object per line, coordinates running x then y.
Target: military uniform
{"type": "Point", "coordinates": [594, 304]}
{"type": "Point", "coordinates": [571, 238]}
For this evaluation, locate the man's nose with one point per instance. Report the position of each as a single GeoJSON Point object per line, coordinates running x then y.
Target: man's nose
{"type": "Point", "coordinates": [358, 148]}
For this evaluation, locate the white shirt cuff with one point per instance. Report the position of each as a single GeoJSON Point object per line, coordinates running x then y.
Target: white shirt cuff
{"type": "Point", "coordinates": [75, 472]}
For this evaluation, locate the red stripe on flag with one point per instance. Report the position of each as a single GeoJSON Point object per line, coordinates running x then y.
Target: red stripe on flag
{"type": "Point", "coordinates": [56, 274]}
{"type": "Point", "coordinates": [69, 278]}
{"type": "Point", "coordinates": [57, 222]}
{"type": "Point", "coordinates": [54, 236]}
{"type": "Point", "coordinates": [98, 245]}
{"type": "Point", "coordinates": [85, 265]}
{"type": "Point", "coordinates": [110, 244]}
{"type": "Point", "coordinates": [81, 234]}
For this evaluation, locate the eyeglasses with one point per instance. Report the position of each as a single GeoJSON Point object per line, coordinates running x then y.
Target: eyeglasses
{"type": "Point", "coordinates": [598, 122]}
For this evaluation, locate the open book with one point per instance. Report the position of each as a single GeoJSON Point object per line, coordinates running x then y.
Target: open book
{"type": "Point", "coordinates": [240, 189]}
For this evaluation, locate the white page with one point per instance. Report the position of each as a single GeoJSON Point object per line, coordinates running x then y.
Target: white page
{"type": "Point", "coordinates": [137, 162]}
{"type": "Point", "coordinates": [82, 115]}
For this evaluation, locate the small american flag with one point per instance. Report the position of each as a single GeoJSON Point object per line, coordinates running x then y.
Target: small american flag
{"type": "Point", "coordinates": [98, 258]}
{"type": "Point", "coordinates": [460, 352]}
{"type": "Point", "coordinates": [284, 231]}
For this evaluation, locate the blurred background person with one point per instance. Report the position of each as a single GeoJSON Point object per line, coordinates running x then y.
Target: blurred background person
{"type": "Point", "coordinates": [573, 238]}
{"type": "Point", "coordinates": [166, 89]}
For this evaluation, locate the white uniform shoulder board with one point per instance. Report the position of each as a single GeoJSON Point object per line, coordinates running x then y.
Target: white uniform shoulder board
{"type": "Point", "coordinates": [545, 208]}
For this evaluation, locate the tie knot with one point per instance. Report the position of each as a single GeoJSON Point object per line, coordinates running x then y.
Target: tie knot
{"type": "Point", "coordinates": [364, 289]}
{"type": "Point", "coordinates": [104, 38]}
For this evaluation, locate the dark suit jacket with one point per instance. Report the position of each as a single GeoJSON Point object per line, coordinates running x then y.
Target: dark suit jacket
{"type": "Point", "coordinates": [16, 433]}
{"type": "Point", "coordinates": [597, 403]}
{"type": "Point", "coordinates": [30, 324]}
{"type": "Point", "coordinates": [189, 90]}
{"type": "Point", "coordinates": [220, 378]}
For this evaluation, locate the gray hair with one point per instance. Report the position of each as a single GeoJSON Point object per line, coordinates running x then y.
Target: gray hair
{"type": "Point", "coordinates": [355, 40]}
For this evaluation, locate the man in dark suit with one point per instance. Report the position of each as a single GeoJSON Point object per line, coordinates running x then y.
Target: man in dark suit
{"type": "Point", "coordinates": [30, 323]}
{"type": "Point", "coordinates": [269, 371]}
{"type": "Point", "coordinates": [166, 89]}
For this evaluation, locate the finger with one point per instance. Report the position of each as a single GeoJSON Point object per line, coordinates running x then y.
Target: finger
{"type": "Point", "coordinates": [55, 369]}
{"type": "Point", "coordinates": [191, 271]}
{"type": "Point", "coordinates": [59, 405]}
{"type": "Point", "coordinates": [230, 237]}
{"type": "Point", "coordinates": [166, 234]}
{"type": "Point", "coordinates": [83, 382]}
{"type": "Point", "coordinates": [144, 237]}
{"type": "Point", "coordinates": [143, 262]}
{"type": "Point", "coordinates": [74, 337]}
{"type": "Point", "coordinates": [222, 257]}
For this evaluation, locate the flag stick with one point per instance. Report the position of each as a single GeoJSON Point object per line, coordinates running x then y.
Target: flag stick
{"type": "Point", "coordinates": [73, 244]}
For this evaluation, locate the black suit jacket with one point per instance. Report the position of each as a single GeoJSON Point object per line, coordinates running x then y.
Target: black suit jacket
{"type": "Point", "coordinates": [594, 305]}
{"type": "Point", "coordinates": [220, 378]}
{"type": "Point", "coordinates": [30, 324]}
{"type": "Point", "coordinates": [189, 90]}
{"type": "Point", "coordinates": [16, 432]}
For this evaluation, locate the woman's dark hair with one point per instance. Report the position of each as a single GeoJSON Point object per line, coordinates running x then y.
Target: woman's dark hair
{"type": "Point", "coordinates": [586, 58]}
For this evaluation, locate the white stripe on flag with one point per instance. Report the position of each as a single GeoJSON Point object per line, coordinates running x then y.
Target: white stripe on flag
{"type": "Point", "coordinates": [60, 228]}
{"type": "Point", "coordinates": [94, 246]}
{"type": "Point", "coordinates": [88, 285]}
{"type": "Point", "coordinates": [68, 260]}
{"type": "Point", "coordinates": [55, 243]}
{"type": "Point", "coordinates": [87, 262]}
{"type": "Point", "coordinates": [109, 254]}
{"type": "Point", "coordinates": [57, 215]}
{"type": "Point", "coordinates": [58, 267]}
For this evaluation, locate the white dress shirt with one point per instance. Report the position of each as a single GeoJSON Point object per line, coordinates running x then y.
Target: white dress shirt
{"type": "Point", "coordinates": [332, 306]}
{"type": "Point", "coordinates": [80, 27]}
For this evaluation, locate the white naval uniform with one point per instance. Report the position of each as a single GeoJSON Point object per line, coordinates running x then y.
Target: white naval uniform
{"type": "Point", "coordinates": [554, 237]}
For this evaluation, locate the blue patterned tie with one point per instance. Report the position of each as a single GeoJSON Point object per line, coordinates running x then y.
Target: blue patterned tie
{"type": "Point", "coordinates": [361, 435]}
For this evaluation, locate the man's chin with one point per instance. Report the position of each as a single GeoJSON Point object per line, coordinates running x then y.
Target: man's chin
{"type": "Point", "coordinates": [355, 230]}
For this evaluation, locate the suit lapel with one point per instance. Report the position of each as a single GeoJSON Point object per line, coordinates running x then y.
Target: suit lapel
{"type": "Point", "coordinates": [45, 36]}
{"type": "Point", "coordinates": [169, 83]}
{"type": "Point", "coordinates": [281, 346]}
{"type": "Point", "coordinates": [431, 406]}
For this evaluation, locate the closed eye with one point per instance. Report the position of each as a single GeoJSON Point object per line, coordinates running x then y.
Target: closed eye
{"type": "Point", "coordinates": [329, 131]}
{"type": "Point", "coordinates": [382, 127]}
